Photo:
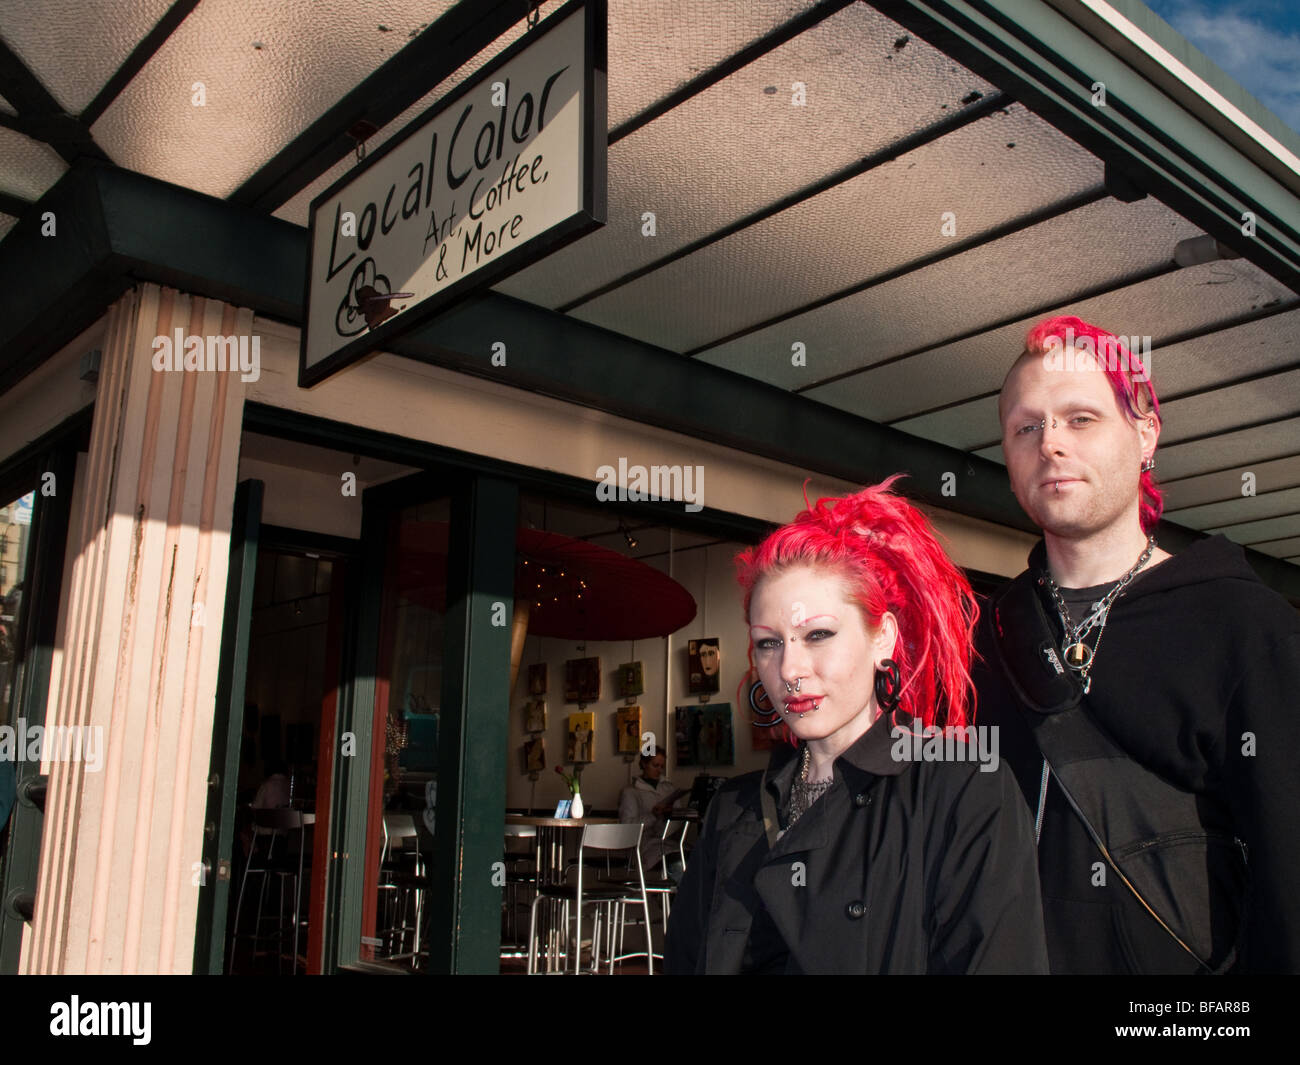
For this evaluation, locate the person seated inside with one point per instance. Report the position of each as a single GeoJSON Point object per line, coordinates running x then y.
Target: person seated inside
{"type": "Point", "coordinates": [648, 800]}
{"type": "Point", "coordinates": [274, 791]}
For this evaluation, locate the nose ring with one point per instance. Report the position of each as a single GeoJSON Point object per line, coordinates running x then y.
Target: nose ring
{"type": "Point", "coordinates": [797, 681]}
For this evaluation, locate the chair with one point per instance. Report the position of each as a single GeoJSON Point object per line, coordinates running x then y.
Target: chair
{"type": "Point", "coordinates": [264, 860]}
{"type": "Point", "coordinates": [563, 896]}
{"type": "Point", "coordinates": [521, 876]}
{"type": "Point", "coordinates": [673, 837]}
{"type": "Point", "coordinates": [405, 888]}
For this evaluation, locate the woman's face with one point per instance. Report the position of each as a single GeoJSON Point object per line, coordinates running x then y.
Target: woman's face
{"type": "Point", "coordinates": [708, 659]}
{"type": "Point", "coordinates": [653, 768]}
{"type": "Point", "coordinates": [807, 631]}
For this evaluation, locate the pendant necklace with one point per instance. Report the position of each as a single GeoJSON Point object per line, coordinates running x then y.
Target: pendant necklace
{"type": "Point", "coordinates": [1076, 653]}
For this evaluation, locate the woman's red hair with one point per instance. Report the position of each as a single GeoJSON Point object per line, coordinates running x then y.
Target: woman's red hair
{"type": "Point", "coordinates": [1136, 398]}
{"type": "Point", "coordinates": [890, 556]}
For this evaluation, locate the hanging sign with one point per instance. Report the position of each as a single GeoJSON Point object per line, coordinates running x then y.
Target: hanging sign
{"type": "Point", "coordinates": [498, 174]}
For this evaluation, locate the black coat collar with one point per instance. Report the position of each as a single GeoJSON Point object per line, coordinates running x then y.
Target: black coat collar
{"type": "Point", "coordinates": [869, 756]}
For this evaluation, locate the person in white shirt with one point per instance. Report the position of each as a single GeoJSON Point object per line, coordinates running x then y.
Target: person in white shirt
{"type": "Point", "coordinates": [274, 790]}
{"type": "Point", "coordinates": [647, 801]}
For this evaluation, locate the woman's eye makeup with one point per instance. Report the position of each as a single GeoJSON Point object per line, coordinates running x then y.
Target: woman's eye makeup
{"type": "Point", "coordinates": [771, 643]}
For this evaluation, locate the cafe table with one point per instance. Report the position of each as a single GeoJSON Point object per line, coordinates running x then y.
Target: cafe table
{"type": "Point", "coordinates": [552, 834]}
{"type": "Point", "coordinates": [550, 841]}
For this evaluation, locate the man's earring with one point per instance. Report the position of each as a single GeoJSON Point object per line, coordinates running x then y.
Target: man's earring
{"type": "Point", "coordinates": [1148, 465]}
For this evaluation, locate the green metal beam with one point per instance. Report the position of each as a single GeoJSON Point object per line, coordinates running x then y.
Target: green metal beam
{"type": "Point", "coordinates": [350, 794]}
{"type": "Point", "coordinates": [128, 227]}
{"type": "Point", "coordinates": [473, 730]}
{"type": "Point", "coordinates": [227, 730]}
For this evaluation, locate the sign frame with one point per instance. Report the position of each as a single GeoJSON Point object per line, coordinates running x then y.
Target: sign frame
{"type": "Point", "coordinates": [593, 129]}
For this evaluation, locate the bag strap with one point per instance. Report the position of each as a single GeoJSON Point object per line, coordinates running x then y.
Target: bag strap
{"type": "Point", "coordinates": [1059, 713]}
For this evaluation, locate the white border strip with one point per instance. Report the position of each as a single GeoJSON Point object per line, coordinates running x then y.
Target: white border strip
{"type": "Point", "coordinates": [1193, 81]}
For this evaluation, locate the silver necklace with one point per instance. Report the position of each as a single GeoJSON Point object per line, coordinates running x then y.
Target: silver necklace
{"type": "Point", "coordinates": [1077, 654]}
{"type": "Point", "coordinates": [804, 793]}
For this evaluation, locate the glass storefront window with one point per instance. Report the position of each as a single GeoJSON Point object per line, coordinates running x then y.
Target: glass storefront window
{"type": "Point", "coordinates": [408, 695]}
{"type": "Point", "coordinates": [15, 536]}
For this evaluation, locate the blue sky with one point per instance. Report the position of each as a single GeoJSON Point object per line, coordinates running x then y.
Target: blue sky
{"type": "Point", "coordinates": [1256, 41]}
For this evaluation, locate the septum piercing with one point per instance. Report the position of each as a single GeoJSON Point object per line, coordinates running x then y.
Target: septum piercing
{"type": "Point", "coordinates": [797, 681]}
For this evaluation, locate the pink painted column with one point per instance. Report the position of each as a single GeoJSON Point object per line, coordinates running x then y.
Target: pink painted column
{"type": "Point", "coordinates": [140, 635]}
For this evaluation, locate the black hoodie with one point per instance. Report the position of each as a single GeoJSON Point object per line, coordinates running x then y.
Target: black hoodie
{"type": "Point", "coordinates": [1197, 678]}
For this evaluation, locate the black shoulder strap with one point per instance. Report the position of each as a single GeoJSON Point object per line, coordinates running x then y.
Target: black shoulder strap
{"type": "Point", "coordinates": [1118, 801]}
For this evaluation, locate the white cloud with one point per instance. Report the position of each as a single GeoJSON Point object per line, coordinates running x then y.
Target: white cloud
{"type": "Point", "coordinates": [1264, 60]}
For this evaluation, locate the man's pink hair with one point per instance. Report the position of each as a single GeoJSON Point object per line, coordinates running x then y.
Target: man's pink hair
{"type": "Point", "coordinates": [1129, 394]}
{"type": "Point", "coordinates": [888, 553]}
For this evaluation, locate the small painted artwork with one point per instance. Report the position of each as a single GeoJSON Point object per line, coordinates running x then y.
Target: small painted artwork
{"type": "Point", "coordinates": [629, 729]}
{"type": "Point", "coordinates": [535, 715]}
{"type": "Point", "coordinates": [704, 735]}
{"type": "Point", "coordinates": [535, 754]}
{"type": "Point", "coordinates": [537, 678]}
{"type": "Point", "coordinates": [631, 680]}
{"type": "Point", "coordinates": [582, 680]}
{"type": "Point", "coordinates": [582, 734]}
{"type": "Point", "coordinates": [703, 665]}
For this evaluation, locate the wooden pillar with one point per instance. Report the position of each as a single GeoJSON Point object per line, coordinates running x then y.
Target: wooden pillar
{"type": "Point", "coordinates": [141, 624]}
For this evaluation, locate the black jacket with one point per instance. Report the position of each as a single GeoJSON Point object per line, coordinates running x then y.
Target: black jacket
{"type": "Point", "coordinates": [1196, 679]}
{"type": "Point", "coordinates": [901, 867]}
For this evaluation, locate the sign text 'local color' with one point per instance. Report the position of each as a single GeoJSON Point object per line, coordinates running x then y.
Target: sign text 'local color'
{"type": "Point", "coordinates": [503, 171]}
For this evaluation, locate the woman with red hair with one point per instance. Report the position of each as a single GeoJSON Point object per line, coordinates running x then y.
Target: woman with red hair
{"type": "Point", "coordinates": [883, 837]}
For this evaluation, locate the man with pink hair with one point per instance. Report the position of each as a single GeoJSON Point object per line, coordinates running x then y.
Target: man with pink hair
{"type": "Point", "coordinates": [1146, 701]}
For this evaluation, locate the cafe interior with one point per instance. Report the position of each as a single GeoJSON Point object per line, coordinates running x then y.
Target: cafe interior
{"type": "Point", "coordinates": [627, 645]}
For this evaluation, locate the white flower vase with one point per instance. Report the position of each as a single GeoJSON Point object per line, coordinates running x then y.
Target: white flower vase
{"type": "Point", "coordinates": [576, 809]}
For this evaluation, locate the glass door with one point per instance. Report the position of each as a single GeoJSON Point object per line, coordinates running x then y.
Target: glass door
{"type": "Point", "coordinates": [403, 794]}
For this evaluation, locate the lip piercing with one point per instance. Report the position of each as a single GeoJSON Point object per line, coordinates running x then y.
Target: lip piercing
{"type": "Point", "coordinates": [815, 705]}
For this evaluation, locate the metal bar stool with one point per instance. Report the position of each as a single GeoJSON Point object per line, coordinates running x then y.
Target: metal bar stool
{"type": "Point", "coordinates": [560, 898]}
{"type": "Point", "coordinates": [266, 860]}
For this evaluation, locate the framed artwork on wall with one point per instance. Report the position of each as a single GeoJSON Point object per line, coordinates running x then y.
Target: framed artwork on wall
{"type": "Point", "coordinates": [582, 735]}
{"type": "Point", "coordinates": [703, 665]}
{"type": "Point", "coordinates": [582, 680]}
{"type": "Point", "coordinates": [704, 735]}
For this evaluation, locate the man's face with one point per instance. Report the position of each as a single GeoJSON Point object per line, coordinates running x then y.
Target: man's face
{"type": "Point", "coordinates": [1081, 476]}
